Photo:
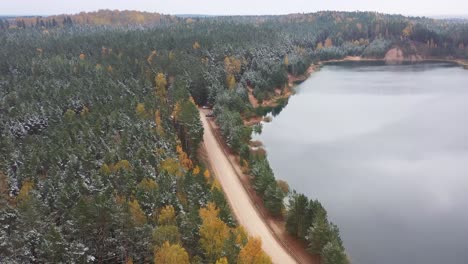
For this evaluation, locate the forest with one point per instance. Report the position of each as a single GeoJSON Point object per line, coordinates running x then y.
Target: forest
{"type": "Point", "coordinates": [99, 128]}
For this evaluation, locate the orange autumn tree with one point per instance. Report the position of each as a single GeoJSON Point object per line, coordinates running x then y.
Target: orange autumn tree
{"type": "Point", "coordinates": [184, 159]}
{"type": "Point", "coordinates": [252, 253]}
{"type": "Point", "coordinates": [170, 254]}
{"type": "Point", "coordinates": [151, 57]}
{"type": "Point", "coordinates": [213, 232]}
{"type": "Point", "coordinates": [328, 43]}
{"type": "Point", "coordinates": [158, 121]}
{"type": "Point", "coordinates": [207, 175]}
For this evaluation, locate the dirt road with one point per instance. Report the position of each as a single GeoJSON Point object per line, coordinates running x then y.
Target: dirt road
{"type": "Point", "coordinates": [239, 200]}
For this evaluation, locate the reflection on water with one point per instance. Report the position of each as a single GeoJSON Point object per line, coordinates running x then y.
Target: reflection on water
{"type": "Point", "coordinates": [385, 149]}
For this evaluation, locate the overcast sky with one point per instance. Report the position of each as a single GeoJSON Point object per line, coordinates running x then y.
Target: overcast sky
{"type": "Point", "coordinates": [236, 7]}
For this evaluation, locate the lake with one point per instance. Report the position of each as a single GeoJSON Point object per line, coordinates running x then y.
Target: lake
{"type": "Point", "coordinates": [385, 149]}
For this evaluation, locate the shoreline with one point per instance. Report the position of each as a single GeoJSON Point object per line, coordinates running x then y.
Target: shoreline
{"type": "Point", "coordinates": [293, 80]}
{"type": "Point", "coordinates": [460, 62]}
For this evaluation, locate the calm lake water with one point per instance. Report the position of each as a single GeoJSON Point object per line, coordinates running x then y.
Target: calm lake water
{"type": "Point", "coordinates": [385, 149]}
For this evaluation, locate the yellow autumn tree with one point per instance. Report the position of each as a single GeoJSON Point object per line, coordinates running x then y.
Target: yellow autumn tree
{"type": "Point", "coordinates": [140, 110]}
{"type": "Point", "coordinates": [196, 45]}
{"type": "Point", "coordinates": [148, 185]}
{"type": "Point", "coordinates": [319, 46]}
{"type": "Point", "coordinates": [222, 260]}
{"type": "Point", "coordinates": [245, 166]}
{"type": "Point", "coordinates": [138, 216]}
{"type": "Point", "coordinates": [158, 121]}
{"type": "Point", "coordinates": [170, 254]}
{"type": "Point", "coordinates": [196, 170]}
{"type": "Point", "coordinates": [407, 31]}
{"type": "Point", "coordinates": [286, 60]}
{"type": "Point", "coordinates": [122, 165]}
{"type": "Point", "coordinates": [161, 84]}
{"type": "Point", "coordinates": [167, 216]}
{"type": "Point", "coordinates": [216, 185]}
{"type": "Point", "coordinates": [230, 81]}
{"type": "Point", "coordinates": [252, 253]}
{"type": "Point", "coordinates": [105, 169]}
{"type": "Point", "coordinates": [241, 236]}
{"type": "Point", "coordinates": [232, 65]}
{"type": "Point", "coordinates": [84, 112]}
{"type": "Point", "coordinates": [213, 232]}
{"type": "Point", "coordinates": [82, 56]}
{"type": "Point", "coordinates": [171, 166]}
{"type": "Point", "coordinates": [23, 195]}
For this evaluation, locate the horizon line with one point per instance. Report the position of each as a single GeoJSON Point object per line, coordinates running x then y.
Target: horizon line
{"type": "Point", "coordinates": [441, 15]}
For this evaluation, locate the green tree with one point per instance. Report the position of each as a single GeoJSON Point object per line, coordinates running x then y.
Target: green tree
{"type": "Point", "coordinates": [191, 128]}
{"type": "Point", "coordinates": [263, 175]}
{"type": "Point", "coordinates": [319, 234]}
{"type": "Point", "coordinates": [332, 253]}
{"type": "Point", "coordinates": [273, 199]}
{"type": "Point", "coordinates": [297, 222]}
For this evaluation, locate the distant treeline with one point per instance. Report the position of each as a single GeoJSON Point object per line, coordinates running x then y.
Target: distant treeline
{"type": "Point", "coordinates": [101, 17]}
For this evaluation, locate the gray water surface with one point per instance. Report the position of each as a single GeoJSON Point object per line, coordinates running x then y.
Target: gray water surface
{"type": "Point", "coordinates": [385, 149]}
